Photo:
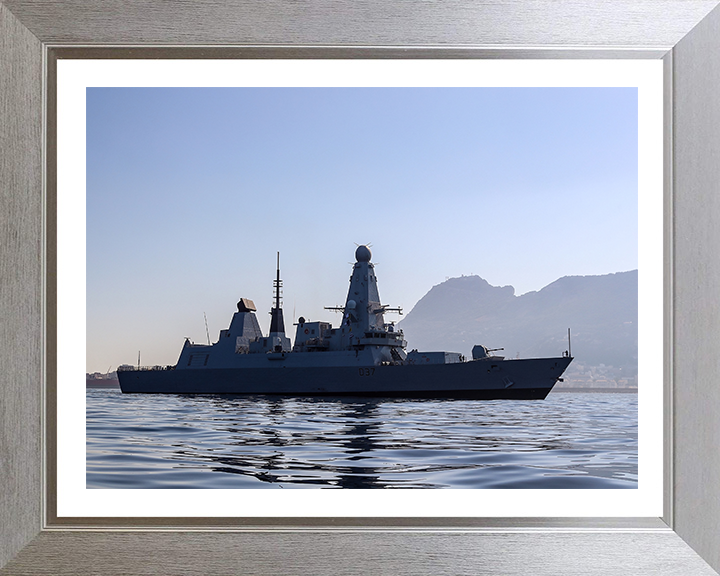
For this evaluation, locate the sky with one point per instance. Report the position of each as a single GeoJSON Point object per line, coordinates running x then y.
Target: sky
{"type": "Point", "coordinates": [191, 192]}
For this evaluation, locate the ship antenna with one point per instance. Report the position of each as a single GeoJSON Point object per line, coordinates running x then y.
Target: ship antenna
{"type": "Point", "coordinates": [206, 328]}
{"type": "Point", "coordinates": [277, 325]}
{"type": "Point", "coordinates": [569, 347]}
{"type": "Point", "coordinates": [278, 283]}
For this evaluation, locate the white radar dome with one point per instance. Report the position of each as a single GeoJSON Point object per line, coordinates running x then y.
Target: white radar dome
{"type": "Point", "coordinates": [363, 254]}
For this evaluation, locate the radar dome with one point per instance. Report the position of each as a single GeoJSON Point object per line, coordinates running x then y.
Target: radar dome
{"type": "Point", "coordinates": [363, 254]}
{"type": "Point", "coordinates": [350, 305]}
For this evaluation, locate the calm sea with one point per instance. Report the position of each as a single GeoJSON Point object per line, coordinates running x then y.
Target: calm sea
{"type": "Point", "coordinates": [568, 440]}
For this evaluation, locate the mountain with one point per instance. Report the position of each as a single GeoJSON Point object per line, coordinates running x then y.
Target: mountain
{"type": "Point", "coordinates": [601, 312]}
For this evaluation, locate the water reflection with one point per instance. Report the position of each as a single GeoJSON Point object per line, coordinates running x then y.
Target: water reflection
{"type": "Point", "coordinates": [346, 430]}
{"type": "Point", "coordinates": [359, 443]}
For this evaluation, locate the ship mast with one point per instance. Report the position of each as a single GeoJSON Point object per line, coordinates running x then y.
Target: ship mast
{"type": "Point", "coordinates": [277, 324]}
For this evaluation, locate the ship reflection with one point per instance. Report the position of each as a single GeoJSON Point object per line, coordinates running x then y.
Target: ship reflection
{"type": "Point", "coordinates": [271, 449]}
{"type": "Point", "coordinates": [341, 442]}
{"type": "Point", "coordinates": [360, 439]}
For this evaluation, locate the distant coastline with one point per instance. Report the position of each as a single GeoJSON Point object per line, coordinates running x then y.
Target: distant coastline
{"type": "Point", "coordinates": [587, 389]}
{"type": "Point", "coordinates": [100, 380]}
{"type": "Point", "coordinates": [110, 381]}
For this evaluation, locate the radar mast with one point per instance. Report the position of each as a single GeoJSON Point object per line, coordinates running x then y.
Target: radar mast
{"type": "Point", "coordinates": [277, 324]}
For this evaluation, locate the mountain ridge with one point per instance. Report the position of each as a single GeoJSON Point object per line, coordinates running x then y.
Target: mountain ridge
{"type": "Point", "coordinates": [600, 310]}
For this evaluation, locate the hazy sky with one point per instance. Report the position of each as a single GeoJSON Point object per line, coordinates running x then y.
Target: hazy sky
{"type": "Point", "coordinates": [191, 192]}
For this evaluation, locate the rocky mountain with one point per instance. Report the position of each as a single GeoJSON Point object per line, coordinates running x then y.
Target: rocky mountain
{"type": "Point", "coordinates": [601, 312]}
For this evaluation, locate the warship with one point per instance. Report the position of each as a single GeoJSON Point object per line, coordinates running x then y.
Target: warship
{"type": "Point", "coordinates": [364, 356]}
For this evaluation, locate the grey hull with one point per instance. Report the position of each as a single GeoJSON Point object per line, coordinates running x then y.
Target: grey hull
{"type": "Point", "coordinates": [485, 379]}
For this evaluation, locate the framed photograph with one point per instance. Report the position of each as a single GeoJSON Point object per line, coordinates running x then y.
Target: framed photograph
{"type": "Point", "coordinates": [419, 152]}
{"type": "Point", "coordinates": [676, 532]}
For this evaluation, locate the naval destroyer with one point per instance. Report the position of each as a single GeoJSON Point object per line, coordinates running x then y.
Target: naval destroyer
{"type": "Point", "coordinates": [363, 356]}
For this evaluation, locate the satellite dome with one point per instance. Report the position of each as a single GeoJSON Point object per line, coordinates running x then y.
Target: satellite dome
{"type": "Point", "coordinates": [350, 305]}
{"type": "Point", "coordinates": [363, 254]}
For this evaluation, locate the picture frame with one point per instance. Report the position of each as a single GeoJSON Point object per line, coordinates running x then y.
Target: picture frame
{"type": "Point", "coordinates": [685, 34]}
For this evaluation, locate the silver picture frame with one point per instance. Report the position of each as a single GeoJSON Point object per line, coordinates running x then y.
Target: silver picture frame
{"type": "Point", "coordinates": [685, 34]}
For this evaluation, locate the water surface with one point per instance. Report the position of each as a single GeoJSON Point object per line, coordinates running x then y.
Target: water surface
{"type": "Point", "coordinates": [568, 440]}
